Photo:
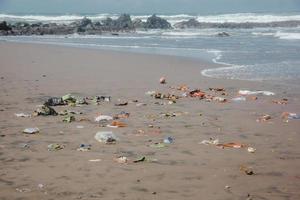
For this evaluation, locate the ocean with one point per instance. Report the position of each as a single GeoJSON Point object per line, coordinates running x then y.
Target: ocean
{"type": "Point", "coordinates": [258, 54]}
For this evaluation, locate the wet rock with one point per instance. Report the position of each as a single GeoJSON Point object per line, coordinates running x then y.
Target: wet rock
{"type": "Point", "coordinates": [192, 23]}
{"type": "Point", "coordinates": [155, 22]}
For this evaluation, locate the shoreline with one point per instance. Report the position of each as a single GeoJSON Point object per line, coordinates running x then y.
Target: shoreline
{"type": "Point", "coordinates": [185, 169]}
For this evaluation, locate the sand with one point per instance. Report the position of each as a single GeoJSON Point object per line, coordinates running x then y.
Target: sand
{"type": "Point", "coordinates": [185, 169]}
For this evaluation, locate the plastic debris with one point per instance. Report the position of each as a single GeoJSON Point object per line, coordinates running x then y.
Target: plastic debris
{"type": "Point", "coordinates": [150, 93]}
{"type": "Point", "coordinates": [246, 170]}
{"type": "Point", "coordinates": [117, 124]}
{"type": "Point", "coordinates": [162, 80]}
{"type": "Point", "coordinates": [31, 130]}
{"type": "Point", "coordinates": [217, 89]}
{"type": "Point", "coordinates": [168, 140]}
{"type": "Point", "coordinates": [239, 99]}
{"type": "Point", "coordinates": [23, 190]}
{"type": "Point", "coordinates": [106, 137]}
{"type": "Point", "coordinates": [251, 150]}
{"type": "Point", "coordinates": [80, 126]}
{"type": "Point", "coordinates": [281, 102]}
{"type": "Point", "coordinates": [219, 99]}
{"type": "Point", "coordinates": [121, 104]}
{"type": "Point", "coordinates": [103, 117]}
{"type": "Point", "coordinates": [44, 110]}
{"type": "Point", "coordinates": [95, 160]}
{"type": "Point", "coordinates": [248, 92]}
{"type": "Point", "coordinates": [288, 115]}
{"type": "Point", "coordinates": [121, 159]}
{"type": "Point", "coordinates": [141, 159]}
{"type": "Point", "coordinates": [55, 147]}
{"type": "Point", "coordinates": [141, 104]}
{"type": "Point", "coordinates": [22, 115]}
{"type": "Point", "coordinates": [122, 115]}
{"type": "Point", "coordinates": [98, 99]}
{"type": "Point", "coordinates": [158, 145]}
{"type": "Point", "coordinates": [55, 101]}
{"type": "Point", "coordinates": [210, 142]}
{"type": "Point", "coordinates": [197, 93]}
{"type": "Point", "coordinates": [84, 147]}
{"type": "Point", "coordinates": [68, 119]}
{"type": "Point", "coordinates": [231, 145]}
{"type": "Point", "coordinates": [264, 118]}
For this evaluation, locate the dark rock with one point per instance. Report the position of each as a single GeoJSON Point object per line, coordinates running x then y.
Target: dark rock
{"type": "Point", "coordinates": [85, 22]}
{"type": "Point", "coordinates": [192, 23]}
{"type": "Point", "coordinates": [155, 22]}
{"type": "Point", "coordinates": [4, 26]}
{"type": "Point", "coordinates": [138, 23]}
{"type": "Point", "coordinates": [124, 22]}
{"type": "Point", "coordinates": [223, 34]}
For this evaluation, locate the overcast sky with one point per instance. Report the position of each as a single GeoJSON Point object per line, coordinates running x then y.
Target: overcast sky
{"type": "Point", "coordinates": [147, 6]}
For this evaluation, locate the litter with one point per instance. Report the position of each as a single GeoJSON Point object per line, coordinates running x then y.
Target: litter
{"type": "Point", "coordinates": [44, 110]}
{"type": "Point", "coordinates": [67, 112]}
{"type": "Point", "coordinates": [248, 92]}
{"type": "Point", "coordinates": [98, 99]}
{"type": "Point", "coordinates": [68, 119]}
{"type": "Point", "coordinates": [220, 99]}
{"type": "Point", "coordinates": [141, 104]}
{"type": "Point", "coordinates": [103, 117]}
{"type": "Point", "coordinates": [231, 145]}
{"type": "Point", "coordinates": [288, 115]}
{"type": "Point", "coordinates": [141, 159]}
{"type": "Point", "coordinates": [84, 147]}
{"type": "Point", "coordinates": [80, 126]}
{"type": "Point", "coordinates": [106, 137]}
{"type": "Point", "coordinates": [121, 104]}
{"type": "Point", "coordinates": [168, 140]}
{"type": "Point", "coordinates": [181, 88]}
{"type": "Point", "coordinates": [31, 130]}
{"type": "Point", "coordinates": [197, 93]}
{"type": "Point", "coordinates": [162, 80]}
{"type": "Point", "coordinates": [251, 149]}
{"type": "Point", "coordinates": [117, 124]}
{"type": "Point", "coordinates": [22, 115]}
{"type": "Point", "coordinates": [217, 89]}
{"type": "Point", "coordinates": [281, 102]}
{"type": "Point", "coordinates": [158, 145]}
{"type": "Point", "coordinates": [121, 159]}
{"type": "Point", "coordinates": [95, 160]}
{"type": "Point", "coordinates": [121, 115]}
{"type": "Point", "coordinates": [150, 93]}
{"type": "Point", "coordinates": [55, 147]}
{"type": "Point", "coordinates": [264, 118]}
{"type": "Point", "coordinates": [23, 190]}
{"type": "Point", "coordinates": [68, 98]}
{"type": "Point", "coordinates": [239, 99]}
{"type": "Point", "coordinates": [246, 170]}
{"type": "Point", "coordinates": [81, 101]}
{"type": "Point", "coordinates": [210, 142]}
{"type": "Point", "coordinates": [55, 101]}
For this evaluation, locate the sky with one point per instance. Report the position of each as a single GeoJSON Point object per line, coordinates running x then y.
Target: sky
{"type": "Point", "coordinates": [147, 6]}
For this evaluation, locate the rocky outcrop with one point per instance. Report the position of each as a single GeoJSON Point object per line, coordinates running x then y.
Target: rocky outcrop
{"type": "Point", "coordinates": [155, 22]}
{"type": "Point", "coordinates": [192, 23]}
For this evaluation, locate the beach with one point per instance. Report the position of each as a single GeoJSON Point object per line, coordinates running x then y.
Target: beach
{"type": "Point", "coordinates": [185, 169]}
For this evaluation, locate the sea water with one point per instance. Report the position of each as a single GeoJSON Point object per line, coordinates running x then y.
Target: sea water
{"type": "Point", "coordinates": [247, 54]}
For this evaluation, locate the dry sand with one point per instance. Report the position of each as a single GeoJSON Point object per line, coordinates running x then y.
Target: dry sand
{"type": "Point", "coordinates": [30, 74]}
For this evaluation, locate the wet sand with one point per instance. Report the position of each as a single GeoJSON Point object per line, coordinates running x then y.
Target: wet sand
{"type": "Point", "coordinates": [185, 169]}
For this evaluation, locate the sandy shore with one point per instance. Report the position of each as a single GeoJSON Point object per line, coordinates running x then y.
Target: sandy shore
{"type": "Point", "coordinates": [185, 169]}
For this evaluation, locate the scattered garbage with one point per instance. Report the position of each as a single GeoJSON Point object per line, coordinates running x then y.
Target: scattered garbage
{"type": "Point", "coordinates": [121, 104]}
{"type": "Point", "coordinates": [141, 159]}
{"type": "Point", "coordinates": [181, 88]}
{"type": "Point", "coordinates": [103, 117]}
{"type": "Point", "coordinates": [288, 115]}
{"type": "Point", "coordinates": [219, 99]}
{"type": "Point", "coordinates": [31, 130]}
{"type": "Point", "coordinates": [242, 98]}
{"type": "Point", "coordinates": [67, 112]}
{"type": "Point", "coordinates": [168, 140]}
{"type": "Point", "coordinates": [99, 99]}
{"type": "Point", "coordinates": [23, 190]}
{"type": "Point", "coordinates": [246, 170]}
{"type": "Point", "coordinates": [95, 160]}
{"type": "Point", "coordinates": [69, 119]}
{"type": "Point", "coordinates": [197, 93]}
{"type": "Point", "coordinates": [122, 115]}
{"type": "Point", "coordinates": [217, 89]}
{"type": "Point", "coordinates": [84, 147]}
{"type": "Point", "coordinates": [55, 101]}
{"type": "Point", "coordinates": [162, 80]}
{"type": "Point", "coordinates": [44, 110]}
{"type": "Point", "coordinates": [211, 141]}
{"type": "Point", "coordinates": [264, 118]}
{"type": "Point", "coordinates": [55, 147]}
{"type": "Point", "coordinates": [158, 145]}
{"type": "Point", "coordinates": [150, 93]}
{"type": "Point", "coordinates": [117, 124]}
{"type": "Point", "coordinates": [231, 145]}
{"type": "Point", "coordinates": [106, 137]}
{"type": "Point", "coordinates": [251, 150]}
{"type": "Point", "coordinates": [22, 115]}
{"type": "Point", "coordinates": [121, 159]}
{"type": "Point", "coordinates": [141, 104]}
{"type": "Point", "coordinates": [281, 102]}
{"type": "Point", "coordinates": [80, 126]}
{"type": "Point", "coordinates": [248, 92]}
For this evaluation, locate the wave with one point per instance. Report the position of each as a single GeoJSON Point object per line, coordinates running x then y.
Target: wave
{"type": "Point", "coordinates": [225, 18]}
{"type": "Point", "coordinates": [287, 36]}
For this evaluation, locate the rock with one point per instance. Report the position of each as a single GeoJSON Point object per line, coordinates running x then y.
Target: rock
{"type": "Point", "coordinates": [138, 23]}
{"type": "Point", "coordinates": [124, 22]}
{"type": "Point", "coordinates": [4, 26]}
{"type": "Point", "coordinates": [85, 22]}
{"type": "Point", "coordinates": [155, 22]}
{"type": "Point", "coordinates": [192, 23]}
{"type": "Point", "coordinates": [223, 34]}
